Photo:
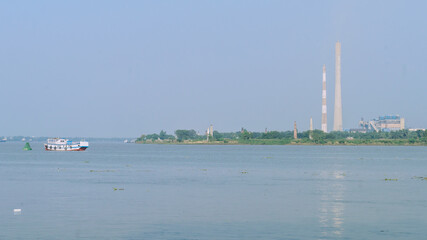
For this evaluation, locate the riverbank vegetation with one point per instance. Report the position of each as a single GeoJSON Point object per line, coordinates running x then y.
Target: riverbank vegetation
{"type": "Point", "coordinates": [315, 137]}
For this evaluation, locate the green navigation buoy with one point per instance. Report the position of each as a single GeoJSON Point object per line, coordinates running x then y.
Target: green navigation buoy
{"type": "Point", "coordinates": [27, 147]}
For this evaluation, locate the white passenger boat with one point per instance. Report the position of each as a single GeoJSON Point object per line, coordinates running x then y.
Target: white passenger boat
{"type": "Point", "coordinates": [60, 144]}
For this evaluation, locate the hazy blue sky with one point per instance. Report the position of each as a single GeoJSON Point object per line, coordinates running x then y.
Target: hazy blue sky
{"type": "Point", "coordinates": [123, 68]}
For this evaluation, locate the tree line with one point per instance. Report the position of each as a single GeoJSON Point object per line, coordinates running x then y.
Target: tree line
{"type": "Point", "coordinates": [315, 136]}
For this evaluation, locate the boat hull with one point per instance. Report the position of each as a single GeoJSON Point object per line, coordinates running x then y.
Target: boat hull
{"type": "Point", "coordinates": [64, 149]}
{"type": "Point", "coordinates": [67, 150]}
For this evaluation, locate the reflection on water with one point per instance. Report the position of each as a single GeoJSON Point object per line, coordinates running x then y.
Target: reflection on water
{"type": "Point", "coordinates": [331, 209]}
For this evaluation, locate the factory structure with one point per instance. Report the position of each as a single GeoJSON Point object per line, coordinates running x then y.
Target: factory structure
{"type": "Point", "coordinates": [382, 123]}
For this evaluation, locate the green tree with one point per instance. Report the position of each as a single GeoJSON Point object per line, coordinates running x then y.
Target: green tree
{"type": "Point", "coordinates": [318, 136]}
{"type": "Point", "coordinates": [186, 134]}
{"type": "Point", "coordinates": [245, 135]}
{"type": "Point", "coordinates": [272, 135]}
{"type": "Point", "coordinates": [140, 139]}
{"type": "Point", "coordinates": [152, 137]}
{"type": "Point", "coordinates": [217, 136]}
{"type": "Point", "coordinates": [162, 135]}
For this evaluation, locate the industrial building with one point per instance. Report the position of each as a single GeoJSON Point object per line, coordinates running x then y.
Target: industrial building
{"type": "Point", "coordinates": [383, 123]}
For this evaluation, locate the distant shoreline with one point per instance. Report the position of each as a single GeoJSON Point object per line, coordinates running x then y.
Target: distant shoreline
{"type": "Point", "coordinates": [380, 142]}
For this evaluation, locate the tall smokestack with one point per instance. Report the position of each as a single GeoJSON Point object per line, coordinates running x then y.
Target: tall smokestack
{"type": "Point", "coordinates": [311, 124]}
{"type": "Point", "coordinates": [311, 128]}
{"type": "Point", "coordinates": [324, 110]}
{"type": "Point", "coordinates": [295, 130]}
{"type": "Point", "coordinates": [338, 103]}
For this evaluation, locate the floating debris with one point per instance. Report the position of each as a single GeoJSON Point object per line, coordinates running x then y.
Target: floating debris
{"type": "Point", "coordinates": [17, 211]}
{"type": "Point", "coordinates": [86, 161]}
{"type": "Point", "coordinates": [120, 189]}
{"type": "Point", "coordinates": [204, 169]}
{"type": "Point", "coordinates": [390, 179]}
{"type": "Point", "coordinates": [101, 171]}
{"type": "Point", "coordinates": [338, 175]}
{"type": "Point", "coordinates": [419, 178]}
{"type": "Point", "coordinates": [243, 172]}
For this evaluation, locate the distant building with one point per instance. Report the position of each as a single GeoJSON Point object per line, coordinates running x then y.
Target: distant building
{"type": "Point", "coordinates": [358, 130]}
{"type": "Point", "coordinates": [383, 123]}
{"type": "Point", "coordinates": [416, 129]}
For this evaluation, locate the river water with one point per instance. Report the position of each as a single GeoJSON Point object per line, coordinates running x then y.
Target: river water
{"type": "Point", "coordinates": [131, 191]}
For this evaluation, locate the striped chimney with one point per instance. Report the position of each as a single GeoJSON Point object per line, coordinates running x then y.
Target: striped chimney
{"type": "Point", "coordinates": [324, 110]}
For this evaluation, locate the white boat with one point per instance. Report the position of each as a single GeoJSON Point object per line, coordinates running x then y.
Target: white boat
{"type": "Point", "coordinates": [60, 144]}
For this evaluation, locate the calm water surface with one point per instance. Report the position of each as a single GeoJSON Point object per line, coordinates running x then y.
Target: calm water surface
{"type": "Point", "coordinates": [213, 192]}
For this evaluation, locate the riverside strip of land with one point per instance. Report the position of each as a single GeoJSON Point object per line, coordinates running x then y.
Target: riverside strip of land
{"type": "Point", "coordinates": [315, 137]}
